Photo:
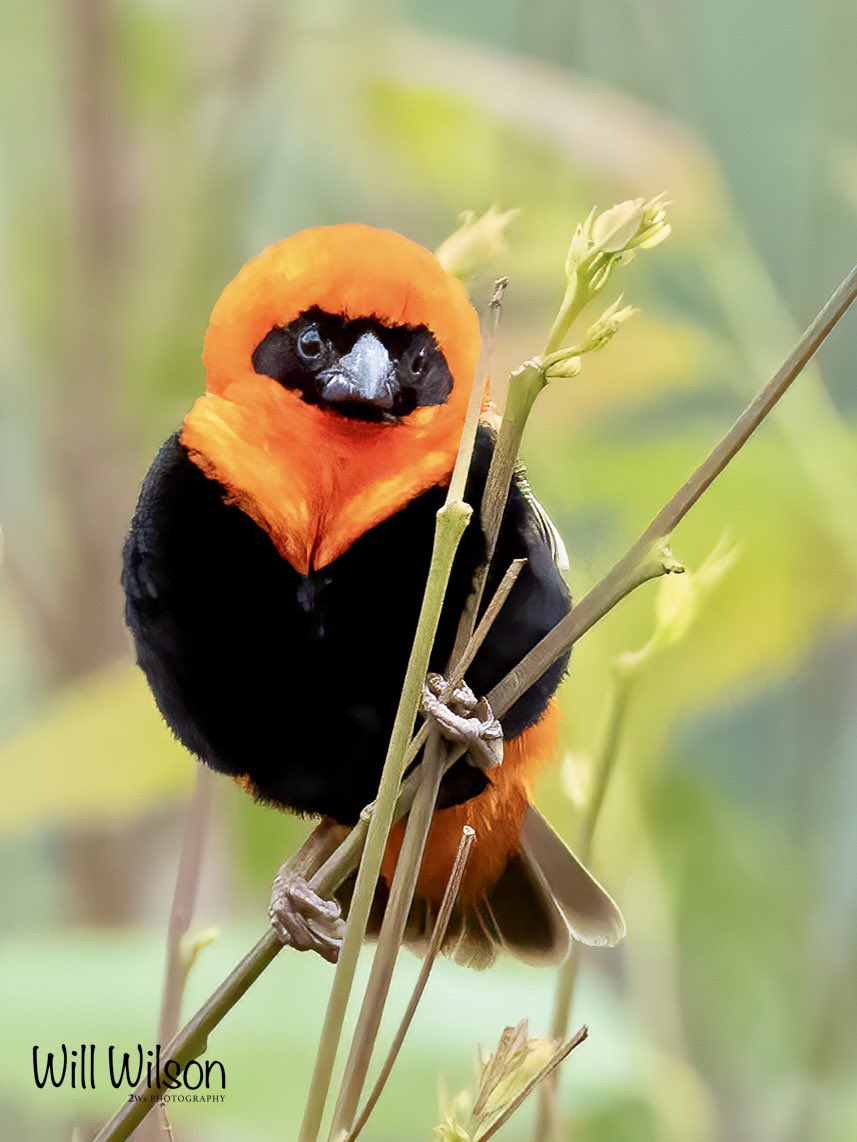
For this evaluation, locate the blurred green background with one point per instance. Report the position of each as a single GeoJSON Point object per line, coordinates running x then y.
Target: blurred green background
{"type": "Point", "coordinates": [148, 150]}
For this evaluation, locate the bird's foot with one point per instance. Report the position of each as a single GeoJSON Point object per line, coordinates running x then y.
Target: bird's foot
{"type": "Point", "coordinates": [301, 919]}
{"type": "Point", "coordinates": [464, 718]}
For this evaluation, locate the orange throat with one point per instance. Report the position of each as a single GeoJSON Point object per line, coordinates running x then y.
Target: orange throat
{"type": "Point", "coordinates": [313, 480]}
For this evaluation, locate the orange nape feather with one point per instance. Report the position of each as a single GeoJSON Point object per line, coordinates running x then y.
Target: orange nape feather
{"type": "Point", "coordinates": [496, 815]}
{"type": "Point", "coordinates": [316, 482]}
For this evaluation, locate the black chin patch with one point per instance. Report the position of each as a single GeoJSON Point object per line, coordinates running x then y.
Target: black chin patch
{"type": "Point", "coordinates": [300, 355]}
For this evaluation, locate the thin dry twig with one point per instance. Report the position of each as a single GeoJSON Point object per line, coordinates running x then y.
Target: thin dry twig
{"type": "Point", "coordinates": [166, 1125]}
{"type": "Point", "coordinates": [548, 1069]}
{"type": "Point", "coordinates": [547, 1115]}
{"type": "Point", "coordinates": [457, 671]}
{"type": "Point", "coordinates": [184, 902]}
{"type": "Point", "coordinates": [435, 943]}
{"type": "Point", "coordinates": [404, 883]}
{"type": "Point", "coordinates": [451, 521]}
{"type": "Point", "coordinates": [390, 936]}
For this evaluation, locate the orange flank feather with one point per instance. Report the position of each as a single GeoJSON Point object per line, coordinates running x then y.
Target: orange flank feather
{"type": "Point", "coordinates": [496, 815]}
{"type": "Point", "coordinates": [313, 482]}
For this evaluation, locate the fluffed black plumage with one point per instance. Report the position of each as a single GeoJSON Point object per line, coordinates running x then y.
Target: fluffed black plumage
{"type": "Point", "coordinates": [293, 680]}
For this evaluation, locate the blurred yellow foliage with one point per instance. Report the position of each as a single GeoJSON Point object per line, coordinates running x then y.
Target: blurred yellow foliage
{"type": "Point", "coordinates": [98, 751]}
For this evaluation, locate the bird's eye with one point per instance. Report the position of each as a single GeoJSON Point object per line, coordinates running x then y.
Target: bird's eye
{"type": "Point", "coordinates": [310, 343]}
{"type": "Point", "coordinates": [418, 362]}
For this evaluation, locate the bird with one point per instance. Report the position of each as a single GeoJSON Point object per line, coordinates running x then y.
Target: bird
{"type": "Point", "coordinates": [275, 565]}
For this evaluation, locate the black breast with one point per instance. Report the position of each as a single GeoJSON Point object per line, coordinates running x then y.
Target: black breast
{"type": "Point", "coordinates": [293, 679]}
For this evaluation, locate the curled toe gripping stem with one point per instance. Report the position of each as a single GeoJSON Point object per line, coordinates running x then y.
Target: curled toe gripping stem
{"type": "Point", "coordinates": [302, 919]}
{"type": "Point", "coordinates": [463, 718]}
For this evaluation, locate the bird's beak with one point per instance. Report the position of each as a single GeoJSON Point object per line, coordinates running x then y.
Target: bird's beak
{"type": "Point", "coordinates": [363, 376]}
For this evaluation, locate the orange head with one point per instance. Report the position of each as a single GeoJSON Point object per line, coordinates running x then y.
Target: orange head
{"type": "Point", "coordinates": [339, 365]}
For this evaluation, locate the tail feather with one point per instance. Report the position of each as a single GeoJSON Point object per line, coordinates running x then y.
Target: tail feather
{"type": "Point", "coordinates": [591, 912]}
{"type": "Point", "coordinates": [517, 915]}
{"type": "Point", "coordinates": [544, 899]}
{"type": "Point", "coordinates": [522, 916]}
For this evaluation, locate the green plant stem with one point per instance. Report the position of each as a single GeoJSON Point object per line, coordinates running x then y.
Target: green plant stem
{"type": "Point", "coordinates": [435, 944]}
{"type": "Point", "coordinates": [184, 902]}
{"type": "Point", "coordinates": [547, 1124]}
{"type": "Point", "coordinates": [651, 542]}
{"type": "Point", "coordinates": [178, 961]}
{"type": "Point", "coordinates": [447, 536]}
{"type": "Point", "coordinates": [490, 325]}
{"type": "Point", "coordinates": [616, 718]}
{"type": "Point", "coordinates": [577, 297]}
{"type": "Point", "coordinates": [524, 386]}
{"type": "Point", "coordinates": [192, 1040]}
{"type": "Point", "coordinates": [546, 1118]}
{"type": "Point", "coordinates": [647, 559]}
{"type": "Point", "coordinates": [405, 878]}
{"type": "Point", "coordinates": [650, 556]}
{"type": "Point", "coordinates": [452, 519]}
{"type": "Point", "coordinates": [391, 936]}
{"type": "Point", "coordinates": [521, 397]}
{"type": "Point", "coordinates": [457, 672]}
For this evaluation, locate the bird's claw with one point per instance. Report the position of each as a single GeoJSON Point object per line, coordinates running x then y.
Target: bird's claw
{"type": "Point", "coordinates": [302, 919]}
{"type": "Point", "coordinates": [465, 719]}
